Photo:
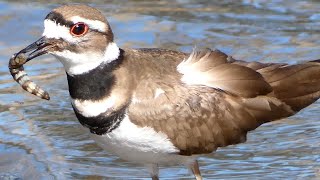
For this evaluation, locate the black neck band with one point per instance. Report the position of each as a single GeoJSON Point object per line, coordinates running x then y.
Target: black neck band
{"type": "Point", "coordinates": [95, 84]}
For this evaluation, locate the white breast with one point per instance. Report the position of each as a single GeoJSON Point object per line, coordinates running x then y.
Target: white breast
{"type": "Point", "coordinates": [139, 144]}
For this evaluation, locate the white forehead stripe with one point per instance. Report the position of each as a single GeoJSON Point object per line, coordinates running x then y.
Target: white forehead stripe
{"type": "Point", "coordinates": [57, 31]}
{"type": "Point", "coordinates": [93, 24]}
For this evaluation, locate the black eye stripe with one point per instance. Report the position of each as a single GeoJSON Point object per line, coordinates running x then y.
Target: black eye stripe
{"type": "Point", "coordinates": [58, 18]}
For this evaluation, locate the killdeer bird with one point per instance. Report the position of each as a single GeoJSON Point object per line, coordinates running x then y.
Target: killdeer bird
{"type": "Point", "coordinates": [159, 107]}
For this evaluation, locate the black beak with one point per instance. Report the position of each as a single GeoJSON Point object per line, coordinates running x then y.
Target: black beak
{"type": "Point", "coordinates": [37, 48]}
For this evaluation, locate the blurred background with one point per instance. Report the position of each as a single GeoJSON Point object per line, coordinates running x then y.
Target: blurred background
{"type": "Point", "coordinates": [43, 140]}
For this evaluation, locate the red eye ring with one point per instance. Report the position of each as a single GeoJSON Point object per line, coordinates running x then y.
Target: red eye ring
{"type": "Point", "coordinates": [79, 29]}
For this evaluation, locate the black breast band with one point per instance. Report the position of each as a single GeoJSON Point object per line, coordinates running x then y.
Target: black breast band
{"type": "Point", "coordinates": [104, 122]}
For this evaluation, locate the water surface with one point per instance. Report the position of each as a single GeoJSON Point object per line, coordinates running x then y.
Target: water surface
{"type": "Point", "coordinates": [43, 140]}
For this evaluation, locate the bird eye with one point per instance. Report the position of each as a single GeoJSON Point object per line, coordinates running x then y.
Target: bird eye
{"type": "Point", "coordinates": [79, 29]}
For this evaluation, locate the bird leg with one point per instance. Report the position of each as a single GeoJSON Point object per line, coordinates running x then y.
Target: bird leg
{"type": "Point", "coordinates": [155, 178]}
{"type": "Point", "coordinates": [195, 170]}
{"type": "Point", "coordinates": [154, 171]}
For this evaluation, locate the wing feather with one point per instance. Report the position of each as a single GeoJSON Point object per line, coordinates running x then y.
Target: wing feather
{"type": "Point", "coordinates": [218, 99]}
{"type": "Point", "coordinates": [212, 69]}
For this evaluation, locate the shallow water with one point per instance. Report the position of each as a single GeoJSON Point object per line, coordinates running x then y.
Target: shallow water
{"type": "Point", "coordinates": [43, 140]}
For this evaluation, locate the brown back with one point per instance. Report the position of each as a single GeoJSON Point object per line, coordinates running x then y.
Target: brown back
{"type": "Point", "coordinates": [233, 97]}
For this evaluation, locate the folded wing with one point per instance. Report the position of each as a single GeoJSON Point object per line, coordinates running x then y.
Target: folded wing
{"type": "Point", "coordinates": [216, 100]}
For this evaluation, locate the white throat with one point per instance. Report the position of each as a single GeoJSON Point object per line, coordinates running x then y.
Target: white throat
{"type": "Point", "coordinates": [79, 63]}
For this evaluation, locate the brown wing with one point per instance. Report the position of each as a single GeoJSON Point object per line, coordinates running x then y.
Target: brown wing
{"type": "Point", "coordinates": [205, 113]}
{"type": "Point", "coordinates": [297, 85]}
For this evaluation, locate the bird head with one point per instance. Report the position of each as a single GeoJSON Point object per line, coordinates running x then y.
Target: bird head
{"type": "Point", "coordinates": [77, 35]}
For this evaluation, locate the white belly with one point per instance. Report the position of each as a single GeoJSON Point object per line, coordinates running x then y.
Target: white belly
{"type": "Point", "coordinates": [140, 145]}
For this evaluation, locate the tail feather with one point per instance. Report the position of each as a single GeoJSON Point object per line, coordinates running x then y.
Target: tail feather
{"type": "Point", "coordinates": [296, 85]}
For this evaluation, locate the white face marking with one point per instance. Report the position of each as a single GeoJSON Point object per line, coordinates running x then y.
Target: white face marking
{"type": "Point", "coordinates": [57, 31]}
{"type": "Point", "coordinates": [93, 24]}
{"type": "Point", "coordinates": [79, 63]}
{"type": "Point", "coordinates": [158, 92]}
{"type": "Point", "coordinates": [133, 143]}
{"type": "Point", "coordinates": [89, 108]}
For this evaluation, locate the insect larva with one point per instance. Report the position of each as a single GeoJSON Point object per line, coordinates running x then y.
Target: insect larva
{"type": "Point", "coordinates": [17, 71]}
